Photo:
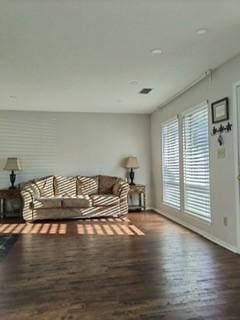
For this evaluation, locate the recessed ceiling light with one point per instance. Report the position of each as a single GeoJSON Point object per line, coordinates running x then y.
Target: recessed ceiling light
{"type": "Point", "coordinates": [201, 31]}
{"type": "Point", "coordinates": [134, 82]}
{"type": "Point", "coordinates": [156, 51]}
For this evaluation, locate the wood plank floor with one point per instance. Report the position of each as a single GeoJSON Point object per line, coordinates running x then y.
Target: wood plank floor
{"type": "Point", "coordinates": [170, 273]}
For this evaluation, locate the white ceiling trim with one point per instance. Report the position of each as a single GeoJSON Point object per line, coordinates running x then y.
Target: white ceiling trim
{"type": "Point", "coordinates": [186, 88]}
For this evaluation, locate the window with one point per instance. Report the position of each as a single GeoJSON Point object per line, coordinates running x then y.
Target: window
{"type": "Point", "coordinates": [196, 163]}
{"type": "Point", "coordinates": [170, 163]}
{"type": "Point", "coordinates": [185, 163]}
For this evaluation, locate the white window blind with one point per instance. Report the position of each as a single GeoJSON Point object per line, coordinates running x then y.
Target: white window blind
{"type": "Point", "coordinates": [196, 163]}
{"type": "Point", "coordinates": [170, 163]}
{"type": "Point", "coordinates": [31, 137]}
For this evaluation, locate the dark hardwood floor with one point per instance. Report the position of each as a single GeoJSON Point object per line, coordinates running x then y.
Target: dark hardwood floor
{"type": "Point", "coordinates": [169, 273]}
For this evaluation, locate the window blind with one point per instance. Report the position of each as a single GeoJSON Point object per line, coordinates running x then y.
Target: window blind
{"type": "Point", "coordinates": [31, 137]}
{"type": "Point", "coordinates": [196, 162]}
{"type": "Point", "coordinates": [170, 163]}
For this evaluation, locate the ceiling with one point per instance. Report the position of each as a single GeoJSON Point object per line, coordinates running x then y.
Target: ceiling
{"type": "Point", "coordinates": [94, 55]}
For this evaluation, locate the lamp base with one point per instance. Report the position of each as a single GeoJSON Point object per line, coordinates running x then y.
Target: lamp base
{"type": "Point", "coordinates": [12, 179]}
{"type": "Point", "coordinates": [131, 176]}
{"type": "Point", "coordinates": [132, 184]}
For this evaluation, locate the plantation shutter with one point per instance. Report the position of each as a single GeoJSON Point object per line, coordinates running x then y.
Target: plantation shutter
{"type": "Point", "coordinates": [196, 162]}
{"type": "Point", "coordinates": [170, 163]}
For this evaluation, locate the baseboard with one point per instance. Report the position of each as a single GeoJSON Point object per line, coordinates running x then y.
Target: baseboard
{"type": "Point", "coordinates": [202, 233]}
{"type": "Point", "coordinates": [150, 209]}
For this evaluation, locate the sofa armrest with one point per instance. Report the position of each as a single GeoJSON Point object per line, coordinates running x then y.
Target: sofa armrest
{"type": "Point", "coordinates": [27, 200]}
{"type": "Point", "coordinates": [121, 189]}
{"type": "Point", "coordinates": [124, 190]}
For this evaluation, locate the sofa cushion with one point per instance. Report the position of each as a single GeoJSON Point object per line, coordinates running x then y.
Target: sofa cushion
{"type": "Point", "coordinates": [106, 184]}
{"type": "Point", "coordinates": [76, 202]}
{"type": "Point", "coordinates": [47, 203]}
{"type": "Point", "coordinates": [87, 185]}
{"type": "Point", "coordinates": [104, 200]}
{"type": "Point", "coordinates": [45, 186]}
{"type": "Point", "coordinates": [65, 186]}
{"type": "Point", "coordinates": [117, 187]}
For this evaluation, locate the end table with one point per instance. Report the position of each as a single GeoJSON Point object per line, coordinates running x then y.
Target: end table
{"type": "Point", "coordinates": [10, 194]}
{"type": "Point", "coordinates": [140, 191]}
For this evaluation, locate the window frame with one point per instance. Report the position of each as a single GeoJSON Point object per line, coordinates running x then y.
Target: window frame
{"type": "Point", "coordinates": [163, 124]}
{"type": "Point", "coordinates": [180, 118]}
{"type": "Point", "coordinates": [185, 113]}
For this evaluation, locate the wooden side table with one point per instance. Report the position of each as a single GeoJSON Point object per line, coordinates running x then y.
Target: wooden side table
{"type": "Point", "coordinates": [10, 194]}
{"type": "Point", "coordinates": [140, 191]}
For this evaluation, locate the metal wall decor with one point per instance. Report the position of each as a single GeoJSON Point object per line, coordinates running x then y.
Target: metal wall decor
{"type": "Point", "coordinates": [220, 130]}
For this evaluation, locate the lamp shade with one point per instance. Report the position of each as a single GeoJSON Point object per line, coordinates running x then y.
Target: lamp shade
{"type": "Point", "coordinates": [132, 162]}
{"type": "Point", "coordinates": [12, 164]}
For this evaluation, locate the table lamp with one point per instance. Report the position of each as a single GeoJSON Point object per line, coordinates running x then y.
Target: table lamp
{"type": "Point", "coordinates": [12, 165]}
{"type": "Point", "coordinates": [132, 163]}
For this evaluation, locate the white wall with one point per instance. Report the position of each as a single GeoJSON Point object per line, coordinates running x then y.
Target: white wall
{"type": "Point", "coordinates": [80, 143]}
{"type": "Point", "coordinates": [223, 173]}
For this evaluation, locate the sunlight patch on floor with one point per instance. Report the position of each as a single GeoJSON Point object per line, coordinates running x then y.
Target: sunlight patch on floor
{"type": "Point", "coordinates": [100, 227]}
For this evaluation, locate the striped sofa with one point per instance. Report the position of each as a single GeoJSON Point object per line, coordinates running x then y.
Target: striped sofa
{"type": "Point", "coordinates": [59, 197]}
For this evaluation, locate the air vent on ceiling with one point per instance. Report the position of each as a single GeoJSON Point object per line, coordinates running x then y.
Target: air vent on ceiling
{"type": "Point", "coordinates": [145, 90]}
